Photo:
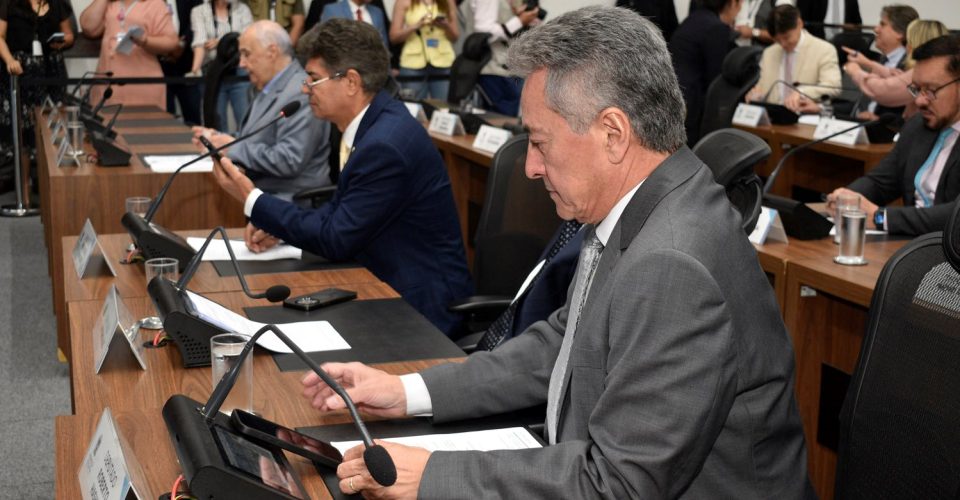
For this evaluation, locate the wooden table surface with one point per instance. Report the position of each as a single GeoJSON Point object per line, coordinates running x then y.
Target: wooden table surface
{"type": "Point", "coordinates": [147, 434]}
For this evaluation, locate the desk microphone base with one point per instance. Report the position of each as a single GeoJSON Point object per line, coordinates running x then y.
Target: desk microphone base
{"type": "Point", "coordinates": [19, 211]}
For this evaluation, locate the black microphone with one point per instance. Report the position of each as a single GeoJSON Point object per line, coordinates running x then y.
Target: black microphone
{"type": "Point", "coordinates": [83, 80]}
{"type": "Point", "coordinates": [376, 457]}
{"type": "Point", "coordinates": [86, 95]}
{"type": "Point", "coordinates": [107, 94]}
{"type": "Point", "coordinates": [883, 120]}
{"type": "Point", "coordinates": [113, 120]}
{"type": "Point", "coordinates": [288, 110]}
{"type": "Point", "coordinates": [275, 293]}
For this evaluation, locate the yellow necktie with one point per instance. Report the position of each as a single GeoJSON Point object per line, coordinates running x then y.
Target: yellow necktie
{"type": "Point", "coordinates": [344, 153]}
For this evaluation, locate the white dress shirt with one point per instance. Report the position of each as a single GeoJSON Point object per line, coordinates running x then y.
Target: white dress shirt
{"type": "Point", "coordinates": [363, 10]}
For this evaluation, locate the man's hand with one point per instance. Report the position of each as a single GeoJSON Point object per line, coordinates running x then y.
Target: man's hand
{"type": "Point", "coordinates": [410, 462]}
{"type": "Point", "coordinates": [528, 16]}
{"type": "Point", "coordinates": [373, 391]}
{"type": "Point", "coordinates": [231, 179]}
{"type": "Point", "coordinates": [216, 138]}
{"type": "Point", "coordinates": [855, 56]}
{"type": "Point", "coordinates": [866, 205]}
{"type": "Point", "coordinates": [744, 31]}
{"type": "Point", "coordinates": [258, 240]}
{"type": "Point", "coordinates": [806, 106]}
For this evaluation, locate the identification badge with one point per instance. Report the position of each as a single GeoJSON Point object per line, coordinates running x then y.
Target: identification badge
{"type": "Point", "coordinates": [37, 48]}
{"type": "Point", "coordinates": [119, 36]}
{"type": "Point", "coordinates": [433, 43]}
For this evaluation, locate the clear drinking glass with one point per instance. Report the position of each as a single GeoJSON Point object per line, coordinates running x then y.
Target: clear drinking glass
{"type": "Point", "coordinates": [853, 233]}
{"type": "Point", "coordinates": [225, 351]}
{"type": "Point", "coordinates": [72, 113]}
{"type": "Point", "coordinates": [75, 136]}
{"type": "Point", "coordinates": [167, 268]}
{"type": "Point", "coordinates": [845, 201]}
{"type": "Point", "coordinates": [138, 205]}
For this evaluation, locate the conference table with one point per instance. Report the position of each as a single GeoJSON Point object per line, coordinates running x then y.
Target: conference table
{"type": "Point", "coordinates": [823, 167]}
{"type": "Point", "coordinates": [71, 194]}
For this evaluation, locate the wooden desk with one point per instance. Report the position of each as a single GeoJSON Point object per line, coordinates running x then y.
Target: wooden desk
{"type": "Point", "coordinates": [147, 434]}
{"type": "Point", "coordinates": [122, 385]}
{"type": "Point", "coordinates": [131, 282]}
{"type": "Point", "coordinates": [824, 167]}
{"type": "Point", "coordinates": [827, 308]}
{"type": "Point", "coordinates": [70, 195]}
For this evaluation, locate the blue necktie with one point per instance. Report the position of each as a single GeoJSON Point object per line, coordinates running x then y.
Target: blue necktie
{"type": "Point", "coordinates": [937, 147]}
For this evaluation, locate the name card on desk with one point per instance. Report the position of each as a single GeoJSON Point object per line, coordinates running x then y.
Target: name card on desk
{"type": "Point", "coordinates": [416, 110]}
{"type": "Point", "coordinates": [59, 125]}
{"type": "Point", "coordinates": [750, 115]}
{"type": "Point", "coordinates": [829, 126]}
{"type": "Point", "coordinates": [109, 470]}
{"type": "Point", "coordinates": [446, 123]}
{"type": "Point", "coordinates": [116, 329]}
{"type": "Point", "coordinates": [490, 138]}
{"type": "Point", "coordinates": [769, 226]}
{"type": "Point", "coordinates": [62, 152]}
{"type": "Point", "coordinates": [87, 251]}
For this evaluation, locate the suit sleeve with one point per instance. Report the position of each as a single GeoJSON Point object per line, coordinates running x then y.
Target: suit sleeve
{"type": "Point", "coordinates": [828, 73]}
{"type": "Point", "coordinates": [285, 157]}
{"type": "Point", "coordinates": [715, 47]}
{"type": "Point", "coordinates": [379, 188]}
{"type": "Point", "coordinates": [916, 221]}
{"type": "Point", "coordinates": [668, 380]}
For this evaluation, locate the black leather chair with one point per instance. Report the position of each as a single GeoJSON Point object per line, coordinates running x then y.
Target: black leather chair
{"type": "Point", "coordinates": [740, 72]}
{"type": "Point", "coordinates": [732, 155]}
{"type": "Point", "coordinates": [899, 432]}
{"type": "Point", "coordinates": [516, 224]}
{"type": "Point", "coordinates": [857, 40]}
{"type": "Point", "coordinates": [465, 71]}
{"type": "Point", "coordinates": [224, 64]}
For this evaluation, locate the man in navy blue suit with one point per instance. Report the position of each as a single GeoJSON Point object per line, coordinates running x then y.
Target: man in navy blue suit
{"type": "Point", "coordinates": [393, 208]}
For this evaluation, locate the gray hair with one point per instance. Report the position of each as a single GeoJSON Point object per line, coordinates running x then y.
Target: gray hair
{"type": "Point", "coordinates": [599, 57]}
{"type": "Point", "coordinates": [270, 33]}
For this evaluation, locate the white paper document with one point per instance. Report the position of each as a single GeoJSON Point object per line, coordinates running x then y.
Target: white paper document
{"type": "Point", "coordinates": [511, 438]}
{"type": "Point", "coordinates": [217, 250]}
{"type": "Point", "coordinates": [311, 336]}
{"type": "Point", "coordinates": [167, 164]}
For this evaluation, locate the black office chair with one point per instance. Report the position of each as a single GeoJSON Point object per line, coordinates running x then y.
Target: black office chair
{"type": "Point", "coordinates": [732, 155]}
{"type": "Point", "coordinates": [465, 71]}
{"type": "Point", "coordinates": [516, 224]}
{"type": "Point", "coordinates": [739, 74]}
{"type": "Point", "coordinates": [857, 40]}
{"type": "Point", "coordinates": [224, 64]}
{"type": "Point", "coordinates": [899, 432]}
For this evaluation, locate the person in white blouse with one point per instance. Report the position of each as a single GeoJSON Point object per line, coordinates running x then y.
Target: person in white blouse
{"type": "Point", "coordinates": [210, 21]}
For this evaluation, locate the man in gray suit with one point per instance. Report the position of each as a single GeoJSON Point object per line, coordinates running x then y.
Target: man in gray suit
{"type": "Point", "coordinates": [673, 377]}
{"type": "Point", "coordinates": [290, 155]}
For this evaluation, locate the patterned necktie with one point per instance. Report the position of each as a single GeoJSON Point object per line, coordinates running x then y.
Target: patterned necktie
{"type": "Point", "coordinates": [589, 257]}
{"type": "Point", "coordinates": [359, 15]}
{"type": "Point", "coordinates": [504, 323]}
{"type": "Point", "coordinates": [927, 165]}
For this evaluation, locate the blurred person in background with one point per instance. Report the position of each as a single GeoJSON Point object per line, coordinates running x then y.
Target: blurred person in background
{"type": "Point", "coordinates": [211, 21]}
{"type": "Point", "coordinates": [427, 30]}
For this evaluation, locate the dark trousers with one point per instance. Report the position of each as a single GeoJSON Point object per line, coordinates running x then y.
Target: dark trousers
{"type": "Point", "coordinates": [189, 97]}
{"type": "Point", "coordinates": [504, 92]}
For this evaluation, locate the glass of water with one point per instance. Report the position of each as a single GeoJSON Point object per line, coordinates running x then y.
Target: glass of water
{"type": "Point", "coordinates": [853, 233]}
{"type": "Point", "coordinates": [164, 267]}
{"type": "Point", "coordinates": [225, 353]}
{"type": "Point", "coordinates": [138, 205]}
{"type": "Point", "coordinates": [845, 201]}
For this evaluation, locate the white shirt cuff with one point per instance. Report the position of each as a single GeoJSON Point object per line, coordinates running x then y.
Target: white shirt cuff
{"type": "Point", "coordinates": [418, 397]}
{"type": "Point", "coordinates": [513, 25]}
{"type": "Point", "coordinates": [251, 201]}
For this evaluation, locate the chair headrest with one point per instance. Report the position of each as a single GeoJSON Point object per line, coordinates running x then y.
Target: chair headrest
{"type": "Point", "coordinates": [951, 238]}
{"type": "Point", "coordinates": [476, 48]}
{"type": "Point", "coordinates": [228, 47]}
{"type": "Point", "coordinates": [741, 64]}
{"type": "Point", "coordinates": [731, 154]}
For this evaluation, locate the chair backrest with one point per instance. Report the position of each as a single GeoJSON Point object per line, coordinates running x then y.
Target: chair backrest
{"type": "Point", "coordinates": [732, 155]}
{"type": "Point", "coordinates": [740, 72]}
{"type": "Point", "coordinates": [899, 431]}
{"type": "Point", "coordinates": [517, 222]}
{"type": "Point", "coordinates": [228, 55]}
{"type": "Point", "coordinates": [856, 40]}
{"type": "Point", "coordinates": [465, 71]}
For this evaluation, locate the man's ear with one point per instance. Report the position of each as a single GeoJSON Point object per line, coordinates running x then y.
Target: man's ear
{"type": "Point", "coordinates": [617, 133]}
{"type": "Point", "coordinates": [355, 81]}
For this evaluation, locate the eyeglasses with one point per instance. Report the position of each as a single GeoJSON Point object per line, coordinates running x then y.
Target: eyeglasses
{"type": "Point", "coordinates": [929, 94]}
{"type": "Point", "coordinates": [308, 84]}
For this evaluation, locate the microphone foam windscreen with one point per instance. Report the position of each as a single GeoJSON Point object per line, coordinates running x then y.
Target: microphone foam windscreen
{"type": "Point", "coordinates": [277, 293]}
{"type": "Point", "coordinates": [291, 108]}
{"type": "Point", "coordinates": [108, 93]}
{"type": "Point", "coordinates": [380, 465]}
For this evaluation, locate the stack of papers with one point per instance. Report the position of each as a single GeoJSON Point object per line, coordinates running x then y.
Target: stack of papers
{"type": "Point", "coordinates": [217, 250]}
{"type": "Point", "coordinates": [511, 438]}
{"type": "Point", "coordinates": [167, 164]}
{"type": "Point", "coordinates": [311, 336]}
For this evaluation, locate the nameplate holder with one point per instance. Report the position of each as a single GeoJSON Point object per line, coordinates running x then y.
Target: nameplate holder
{"type": "Point", "coordinates": [54, 112]}
{"type": "Point", "coordinates": [416, 111]}
{"type": "Point", "coordinates": [109, 470]}
{"type": "Point", "coordinates": [116, 331]}
{"type": "Point", "coordinates": [62, 153]}
{"type": "Point", "coordinates": [446, 123]}
{"type": "Point", "coordinates": [490, 139]}
{"type": "Point", "coordinates": [48, 105]}
{"type": "Point", "coordinates": [750, 115]}
{"type": "Point", "coordinates": [59, 125]}
{"type": "Point", "coordinates": [828, 126]}
{"type": "Point", "coordinates": [89, 258]}
{"type": "Point", "coordinates": [769, 227]}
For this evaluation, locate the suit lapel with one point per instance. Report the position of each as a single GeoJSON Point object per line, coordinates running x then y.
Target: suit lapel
{"type": "Point", "coordinates": [266, 100]}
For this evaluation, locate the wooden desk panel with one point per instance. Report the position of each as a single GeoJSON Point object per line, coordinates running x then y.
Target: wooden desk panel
{"type": "Point", "coordinates": [827, 308]}
{"type": "Point", "coordinates": [122, 385]}
{"type": "Point", "coordinates": [71, 194]}
{"type": "Point", "coordinates": [131, 282]}
{"type": "Point", "coordinates": [147, 434]}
